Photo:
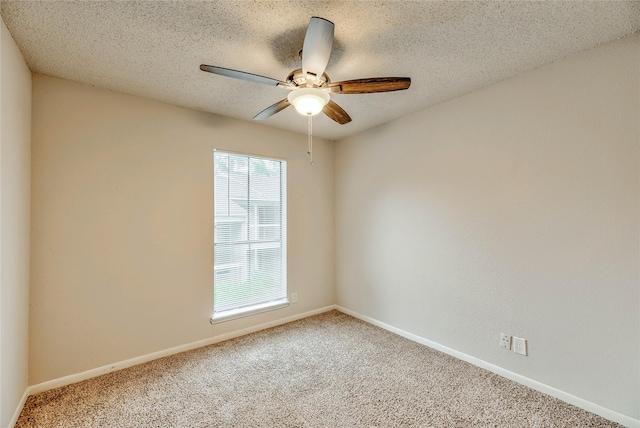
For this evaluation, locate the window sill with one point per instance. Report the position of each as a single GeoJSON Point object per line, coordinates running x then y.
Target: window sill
{"type": "Point", "coordinates": [249, 310]}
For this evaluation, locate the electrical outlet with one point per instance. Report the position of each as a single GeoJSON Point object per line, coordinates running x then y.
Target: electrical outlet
{"type": "Point", "coordinates": [294, 297]}
{"type": "Point", "coordinates": [520, 345]}
{"type": "Point", "coordinates": [505, 341]}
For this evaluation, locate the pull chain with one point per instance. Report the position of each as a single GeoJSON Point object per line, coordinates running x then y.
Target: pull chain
{"type": "Point", "coordinates": [310, 150]}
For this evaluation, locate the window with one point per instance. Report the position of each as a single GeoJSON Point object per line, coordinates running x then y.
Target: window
{"type": "Point", "coordinates": [250, 240]}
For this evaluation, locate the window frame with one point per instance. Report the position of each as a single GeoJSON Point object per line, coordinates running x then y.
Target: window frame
{"type": "Point", "coordinates": [231, 314]}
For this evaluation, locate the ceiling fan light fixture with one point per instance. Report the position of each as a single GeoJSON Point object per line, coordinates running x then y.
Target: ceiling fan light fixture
{"type": "Point", "coordinates": [308, 101]}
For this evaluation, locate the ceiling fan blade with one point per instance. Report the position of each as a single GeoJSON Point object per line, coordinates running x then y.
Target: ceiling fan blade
{"type": "Point", "coordinates": [242, 75]}
{"type": "Point", "coordinates": [273, 109]}
{"type": "Point", "coordinates": [337, 113]}
{"type": "Point", "coordinates": [370, 85]}
{"type": "Point", "coordinates": [317, 46]}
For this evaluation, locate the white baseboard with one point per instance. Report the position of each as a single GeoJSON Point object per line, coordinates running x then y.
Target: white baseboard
{"type": "Point", "coordinates": [67, 380]}
{"type": "Point", "coordinates": [611, 415]}
{"type": "Point", "coordinates": [16, 414]}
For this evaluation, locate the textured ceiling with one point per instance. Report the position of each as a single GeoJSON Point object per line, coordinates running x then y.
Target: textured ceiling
{"type": "Point", "coordinates": [153, 49]}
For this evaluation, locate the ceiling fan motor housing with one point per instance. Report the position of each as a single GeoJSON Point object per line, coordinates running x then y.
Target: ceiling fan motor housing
{"type": "Point", "coordinates": [299, 78]}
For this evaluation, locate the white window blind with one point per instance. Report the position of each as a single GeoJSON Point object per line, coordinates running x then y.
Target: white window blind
{"type": "Point", "coordinates": [250, 242]}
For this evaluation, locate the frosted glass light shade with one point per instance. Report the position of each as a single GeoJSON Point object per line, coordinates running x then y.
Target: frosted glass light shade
{"type": "Point", "coordinates": [308, 101]}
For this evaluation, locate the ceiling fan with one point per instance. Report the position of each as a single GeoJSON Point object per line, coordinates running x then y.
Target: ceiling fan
{"type": "Point", "coordinates": [310, 87]}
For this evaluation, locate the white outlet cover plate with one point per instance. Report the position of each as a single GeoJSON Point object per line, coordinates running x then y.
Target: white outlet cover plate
{"type": "Point", "coordinates": [505, 341]}
{"type": "Point", "coordinates": [519, 345]}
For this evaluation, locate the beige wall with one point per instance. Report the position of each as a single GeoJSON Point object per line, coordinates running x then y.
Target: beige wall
{"type": "Point", "coordinates": [122, 225]}
{"type": "Point", "coordinates": [511, 209]}
{"type": "Point", "coordinates": [15, 179]}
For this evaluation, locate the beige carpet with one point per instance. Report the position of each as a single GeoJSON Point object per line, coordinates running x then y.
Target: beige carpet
{"type": "Point", "coordinates": [330, 370]}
